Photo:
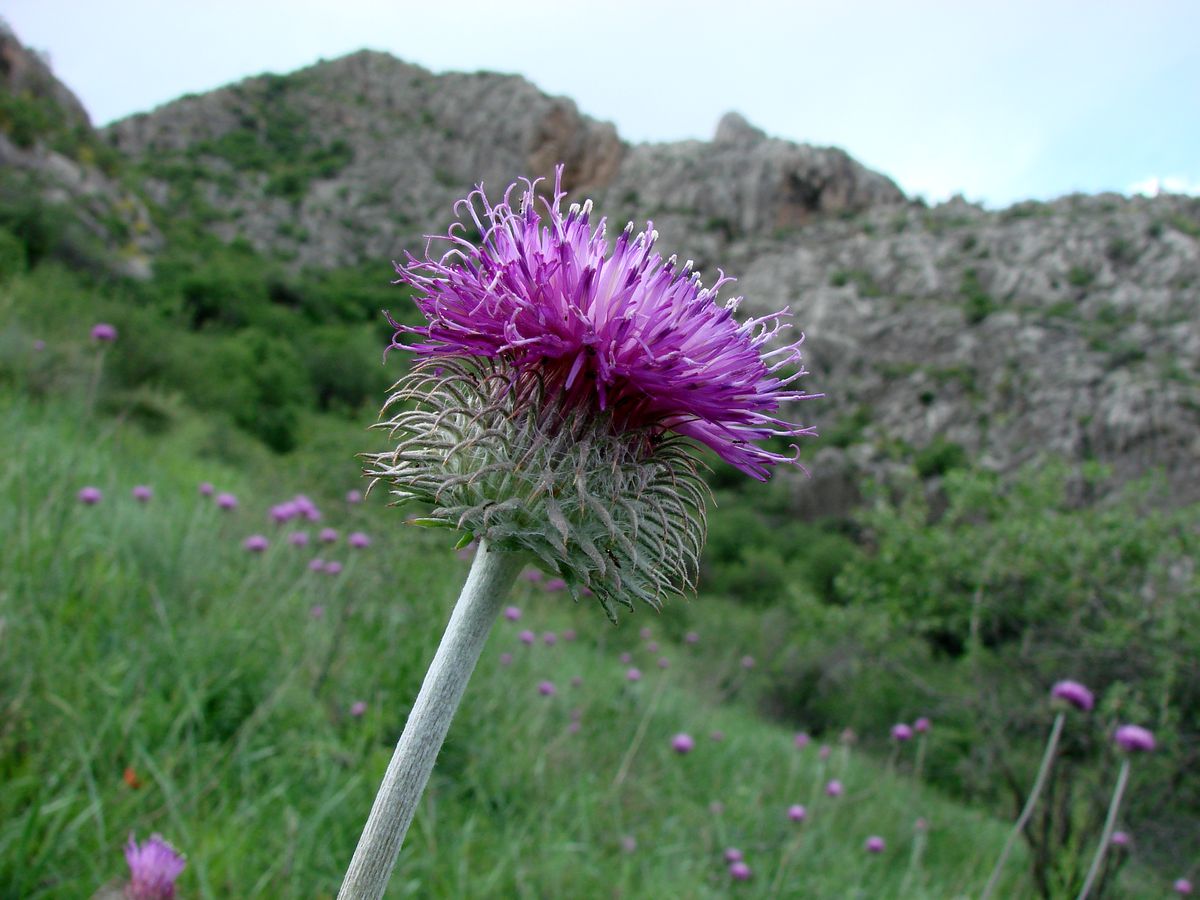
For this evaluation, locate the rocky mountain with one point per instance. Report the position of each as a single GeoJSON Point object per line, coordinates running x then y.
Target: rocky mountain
{"type": "Point", "coordinates": [937, 334]}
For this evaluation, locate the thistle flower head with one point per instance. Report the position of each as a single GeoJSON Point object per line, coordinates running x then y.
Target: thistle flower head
{"type": "Point", "coordinates": [89, 496]}
{"type": "Point", "coordinates": [1134, 738]}
{"type": "Point", "coordinates": [1182, 886]}
{"type": "Point", "coordinates": [797, 813]}
{"type": "Point", "coordinates": [1074, 693]}
{"type": "Point", "coordinates": [922, 725]}
{"type": "Point", "coordinates": [875, 844]}
{"type": "Point", "coordinates": [153, 868]}
{"type": "Point", "coordinates": [902, 732]}
{"type": "Point", "coordinates": [683, 743]}
{"type": "Point", "coordinates": [104, 332]}
{"type": "Point", "coordinates": [560, 388]}
{"type": "Point", "coordinates": [142, 493]}
{"type": "Point", "coordinates": [739, 871]}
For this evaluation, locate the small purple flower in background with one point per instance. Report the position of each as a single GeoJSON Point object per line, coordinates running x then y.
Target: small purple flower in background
{"type": "Point", "coordinates": [629, 843]}
{"type": "Point", "coordinates": [797, 813]}
{"type": "Point", "coordinates": [748, 662]}
{"type": "Point", "coordinates": [716, 735]}
{"type": "Point", "coordinates": [142, 493]}
{"type": "Point", "coordinates": [550, 638]}
{"type": "Point", "coordinates": [354, 496]}
{"type": "Point", "coordinates": [153, 868]}
{"type": "Point", "coordinates": [1134, 738]}
{"type": "Point", "coordinates": [298, 538]}
{"type": "Point", "coordinates": [740, 871]}
{"type": "Point", "coordinates": [801, 740]}
{"type": "Point", "coordinates": [305, 508]}
{"type": "Point", "coordinates": [573, 728]}
{"type": "Point", "coordinates": [633, 675]}
{"type": "Point", "coordinates": [527, 637]}
{"type": "Point", "coordinates": [256, 543]}
{"type": "Point", "coordinates": [39, 345]}
{"type": "Point", "coordinates": [554, 585]}
{"type": "Point", "coordinates": [206, 489]}
{"type": "Point", "coordinates": [733, 854]}
{"type": "Point", "coordinates": [358, 540]}
{"type": "Point", "coordinates": [357, 708]}
{"type": "Point", "coordinates": [682, 743]}
{"type": "Point", "coordinates": [506, 659]}
{"type": "Point", "coordinates": [1074, 693]}
{"type": "Point", "coordinates": [834, 789]}
{"type": "Point", "coordinates": [283, 512]}
{"type": "Point", "coordinates": [227, 501]}
{"type": "Point", "coordinates": [316, 564]}
{"type": "Point", "coordinates": [645, 633]}
{"type": "Point", "coordinates": [328, 535]}
{"type": "Point", "coordinates": [626, 658]}
{"type": "Point", "coordinates": [568, 634]}
{"type": "Point", "coordinates": [512, 613]}
{"type": "Point", "coordinates": [89, 496]}
{"type": "Point", "coordinates": [901, 732]}
{"type": "Point", "coordinates": [847, 736]}
{"type": "Point", "coordinates": [664, 663]}
{"type": "Point", "coordinates": [1182, 886]}
{"type": "Point", "coordinates": [825, 751]}
{"type": "Point", "coordinates": [317, 611]}
{"type": "Point", "coordinates": [652, 646]}
{"type": "Point", "coordinates": [333, 567]}
{"type": "Point", "coordinates": [104, 332]}
{"type": "Point", "coordinates": [546, 688]}
{"type": "Point", "coordinates": [875, 844]}
{"type": "Point", "coordinates": [691, 638]}
{"type": "Point", "coordinates": [922, 725]}
{"type": "Point", "coordinates": [1121, 839]}
{"type": "Point", "coordinates": [576, 680]}
{"type": "Point", "coordinates": [532, 575]}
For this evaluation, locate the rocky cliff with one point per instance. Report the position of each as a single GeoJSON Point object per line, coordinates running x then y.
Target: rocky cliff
{"type": "Point", "coordinates": [938, 334]}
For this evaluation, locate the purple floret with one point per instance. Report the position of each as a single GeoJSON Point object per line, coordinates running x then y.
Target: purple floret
{"type": "Point", "coordinates": [617, 329]}
{"type": "Point", "coordinates": [1074, 693]}
{"type": "Point", "coordinates": [1134, 738]}
{"type": "Point", "coordinates": [153, 868]}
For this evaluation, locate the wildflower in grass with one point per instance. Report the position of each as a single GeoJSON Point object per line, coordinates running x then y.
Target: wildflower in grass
{"type": "Point", "coordinates": [546, 688]}
{"type": "Point", "coordinates": [316, 564]}
{"type": "Point", "coordinates": [1131, 739]}
{"type": "Point", "coordinates": [104, 332]}
{"type": "Point", "coordinates": [39, 345]}
{"type": "Point", "coordinates": [317, 611]}
{"type": "Point", "coordinates": [683, 743]}
{"type": "Point", "coordinates": [153, 869]}
{"type": "Point", "coordinates": [733, 854]}
{"type": "Point", "coordinates": [740, 871]}
{"type": "Point", "coordinates": [328, 535]}
{"type": "Point", "coordinates": [628, 843]}
{"type": "Point", "coordinates": [834, 788]}
{"type": "Point", "coordinates": [227, 501]}
{"type": "Point", "coordinates": [716, 735]}
{"type": "Point", "coordinates": [664, 663]}
{"type": "Point", "coordinates": [89, 496]}
{"type": "Point", "coordinates": [532, 575]}
{"type": "Point", "coordinates": [506, 659]}
{"type": "Point", "coordinates": [626, 658]}
{"type": "Point", "coordinates": [527, 637]}
{"type": "Point", "coordinates": [901, 732]}
{"type": "Point", "coordinates": [298, 538]}
{"type": "Point", "coordinates": [561, 388]}
{"type": "Point", "coordinates": [1121, 839]}
{"type": "Point", "coordinates": [256, 543]}
{"type": "Point", "coordinates": [568, 634]}
{"type": "Point", "coordinates": [801, 740]}
{"type": "Point", "coordinates": [922, 725]}
{"type": "Point", "coordinates": [691, 638]}
{"type": "Point", "coordinates": [354, 497]}
{"type": "Point", "coordinates": [358, 540]}
{"type": "Point", "coordinates": [142, 493]}
{"type": "Point", "coordinates": [652, 647]}
{"type": "Point", "coordinates": [825, 752]}
{"type": "Point", "coordinates": [358, 708]}
{"type": "Point", "coordinates": [206, 489]}
{"type": "Point", "coordinates": [283, 512]}
{"type": "Point", "coordinates": [1182, 886]}
{"type": "Point", "coordinates": [333, 567]}
{"type": "Point", "coordinates": [645, 633]}
{"type": "Point", "coordinates": [1074, 693]}
{"type": "Point", "coordinates": [550, 638]}
{"type": "Point", "coordinates": [554, 585]}
{"type": "Point", "coordinates": [573, 727]}
{"type": "Point", "coordinates": [512, 613]}
{"type": "Point", "coordinates": [748, 662]}
{"type": "Point", "coordinates": [797, 813]}
{"type": "Point", "coordinates": [633, 675]}
{"type": "Point", "coordinates": [875, 844]}
{"type": "Point", "coordinates": [576, 680]}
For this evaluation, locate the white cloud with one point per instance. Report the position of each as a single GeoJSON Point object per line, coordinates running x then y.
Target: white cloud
{"type": "Point", "coordinates": [1167, 184]}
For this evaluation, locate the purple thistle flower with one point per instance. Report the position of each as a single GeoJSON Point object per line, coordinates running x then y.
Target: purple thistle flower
{"type": "Point", "coordinates": [104, 333]}
{"type": "Point", "coordinates": [358, 540]}
{"type": "Point", "coordinates": [922, 725]}
{"type": "Point", "coordinates": [512, 613]}
{"type": "Point", "coordinates": [1121, 839]}
{"type": "Point", "coordinates": [623, 331]}
{"type": "Point", "coordinates": [733, 854]}
{"type": "Point", "coordinates": [825, 751]}
{"type": "Point", "coordinates": [354, 496]}
{"type": "Point", "coordinates": [573, 727]}
{"type": "Point", "coordinates": [298, 538]}
{"type": "Point", "coordinates": [506, 659]}
{"type": "Point", "coordinates": [629, 843]}
{"type": "Point", "coordinates": [682, 743]}
{"type": "Point", "coordinates": [227, 501]}
{"type": "Point", "coordinates": [1182, 886]}
{"type": "Point", "coordinates": [691, 638]}
{"type": "Point", "coordinates": [834, 789]}
{"type": "Point", "coordinates": [256, 543]}
{"type": "Point", "coordinates": [333, 567]}
{"type": "Point", "coordinates": [645, 633]}
{"type": "Point", "coordinates": [283, 512]}
{"type": "Point", "coordinates": [328, 535]}
{"type": "Point", "coordinates": [527, 637]}
{"type": "Point", "coordinates": [550, 638]}
{"type": "Point", "coordinates": [576, 680]}
{"type": "Point", "coordinates": [716, 735]}
{"type": "Point", "coordinates": [554, 585]}
{"type": "Point", "coordinates": [153, 868]}
{"type": "Point", "coordinates": [546, 688]}
{"type": "Point", "coordinates": [532, 575]}
{"type": "Point", "coordinates": [801, 740]}
{"type": "Point", "coordinates": [664, 663]}
{"type": "Point", "coordinates": [739, 871]}
{"type": "Point", "coordinates": [357, 708]}
{"type": "Point", "coordinates": [626, 658]}
{"type": "Point", "coordinates": [206, 489]}
{"type": "Point", "coordinates": [1074, 693]}
{"type": "Point", "coordinates": [748, 662]}
{"type": "Point", "coordinates": [39, 345]}
{"type": "Point", "coordinates": [652, 647]}
{"type": "Point", "coordinates": [568, 634]}
{"type": "Point", "coordinates": [797, 813]}
{"type": "Point", "coordinates": [875, 844]}
{"type": "Point", "coordinates": [1134, 738]}
{"type": "Point", "coordinates": [142, 493]}
{"type": "Point", "coordinates": [633, 675]}
{"type": "Point", "coordinates": [901, 732]}
{"type": "Point", "coordinates": [317, 611]}
{"type": "Point", "coordinates": [89, 496]}
{"type": "Point", "coordinates": [316, 564]}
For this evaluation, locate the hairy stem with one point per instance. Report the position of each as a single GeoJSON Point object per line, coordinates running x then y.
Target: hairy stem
{"type": "Point", "coordinates": [492, 574]}
{"type": "Point", "coordinates": [1109, 824]}
{"type": "Point", "coordinates": [1023, 819]}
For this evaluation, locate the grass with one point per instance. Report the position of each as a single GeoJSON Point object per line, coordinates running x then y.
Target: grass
{"type": "Point", "coordinates": [143, 637]}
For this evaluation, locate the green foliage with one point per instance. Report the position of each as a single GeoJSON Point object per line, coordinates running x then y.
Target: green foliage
{"type": "Point", "coordinates": [939, 457]}
{"type": "Point", "coordinates": [978, 303]}
{"type": "Point", "coordinates": [1080, 277]}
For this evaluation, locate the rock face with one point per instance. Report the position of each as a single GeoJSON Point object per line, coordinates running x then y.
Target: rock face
{"type": "Point", "coordinates": [937, 335]}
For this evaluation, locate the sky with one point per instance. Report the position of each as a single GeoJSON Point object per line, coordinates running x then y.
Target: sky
{"type": "Point", "coordinates": [997, 100]}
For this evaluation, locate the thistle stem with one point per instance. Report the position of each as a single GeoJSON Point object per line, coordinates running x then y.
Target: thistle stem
{"type": "Point", "coordinates": [1109, 824]}
{"type": "Point", "coordinates": [492, 575]}
{"type": "Point", "coordinates": [1023, 819]}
